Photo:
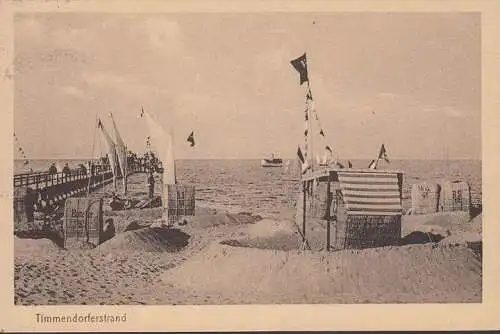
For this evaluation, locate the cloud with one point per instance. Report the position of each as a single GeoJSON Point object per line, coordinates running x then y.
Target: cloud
{"type": "Point", "coordinates": [388, 96]}
{"type": "Point", "coordinates": [453, 112]}
{"type": "Point", "coordinates": [122, 85]}
{"type": "Point", "coordinates": [28, 25]}
{"type": "Point", "coordinates": [274, 59]}
{"type": "Point", "coordinates": [163, 35]}
{"type": "Point", "coordinates": [102, 79]}
{"type": "Point", "coordinates": [72, 91]}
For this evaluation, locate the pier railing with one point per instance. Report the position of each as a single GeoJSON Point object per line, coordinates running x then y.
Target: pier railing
{"type": "Point", "coordinates": [40, 180]}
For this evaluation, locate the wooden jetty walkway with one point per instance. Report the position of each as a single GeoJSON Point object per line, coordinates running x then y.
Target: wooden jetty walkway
{"type": "Point", "coordinates": [55, 188]}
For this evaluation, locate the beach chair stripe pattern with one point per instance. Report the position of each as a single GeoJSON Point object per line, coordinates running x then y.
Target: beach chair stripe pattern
{"type": "Point", "coordinates": [371, 193]}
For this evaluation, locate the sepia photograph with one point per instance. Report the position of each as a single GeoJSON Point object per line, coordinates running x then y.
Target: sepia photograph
{"type": "Point", "coordinates": [237, 158]}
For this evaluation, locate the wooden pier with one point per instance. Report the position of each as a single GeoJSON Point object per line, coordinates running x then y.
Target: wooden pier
{"type": "Point", "coordinates": [31, 189]}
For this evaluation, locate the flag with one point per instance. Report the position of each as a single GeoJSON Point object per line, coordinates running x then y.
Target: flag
{"type": "Point", "coordinates": [300, 64]}
{"type": "Point", "coordinates": [328, 148]}
{"type": "Point", "coordinates": [162, 140]}
{"type": "Point", "coordinates": [309, 95]}
{"type": "Point", "coordinates": [300, 155]}
{"type": "Point", "coordinates": [303, 161]}
{"type": "Point", "coordinates": [121, 150]}
{"type": "Point", "coordinates": [349, 163]}
{"type": "Point", "coordinates": [111, 150]}
{"type": "Point", "coordinates": [373, 164]}
{"type": "Point", "coordinates": [142, 112]}
{"type": "Point", "coordinates": [190, 139]}
{"type": "Point", "coordinates": [383, 154]}
{"type": "Point", "coordinates": [321, 132]}
{"type": "Point", "coordinates": [26, 162]}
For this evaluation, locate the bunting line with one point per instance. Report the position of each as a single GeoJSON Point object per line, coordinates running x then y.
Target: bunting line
{"type": "Point", "coordinates": [21, 151]}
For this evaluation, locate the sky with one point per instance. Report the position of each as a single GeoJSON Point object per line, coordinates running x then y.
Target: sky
{"type": "Point", "coordinates": [411, 81]}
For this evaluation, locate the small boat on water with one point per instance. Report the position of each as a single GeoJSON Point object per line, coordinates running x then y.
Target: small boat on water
{"type": "Point", "coordinates": [273, 162]}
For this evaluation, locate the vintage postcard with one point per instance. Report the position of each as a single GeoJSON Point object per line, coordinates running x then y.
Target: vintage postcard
{"type": "Point", "coordinates": [225, 165]}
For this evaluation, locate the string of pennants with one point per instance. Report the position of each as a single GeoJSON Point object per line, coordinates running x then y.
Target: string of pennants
{"type": "Point", "coordinates": [300, 64]}
{"type": "Point", "coordinates": [21, 152]}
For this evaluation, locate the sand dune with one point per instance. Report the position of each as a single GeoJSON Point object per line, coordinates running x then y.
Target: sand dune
{"type": "Point", "coordinates": [268, 234]}
{"type": "Point", "coordinates": [205, 220]}
{"type": "Point", "coordinates": [417, 273]}
{"type": "Point", "coordinates": [149, 239]}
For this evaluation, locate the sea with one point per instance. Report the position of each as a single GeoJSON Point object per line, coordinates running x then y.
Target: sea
{"type": "Point", "coordinates": [244, 186]}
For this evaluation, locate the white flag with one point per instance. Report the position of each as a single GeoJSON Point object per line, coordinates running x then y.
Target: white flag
{"type": "Point", "coordinates": [111, 150]}
{"type": "Point", "coordinates": [121, 151]}
{"type": "Point", "coordinates": [163, 142]}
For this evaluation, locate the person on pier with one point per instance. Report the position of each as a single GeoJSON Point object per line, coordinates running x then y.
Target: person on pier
{"type": "Point", "coordinates": [66, 171]}
{"type": "Point", "coordinates": [52, 169]}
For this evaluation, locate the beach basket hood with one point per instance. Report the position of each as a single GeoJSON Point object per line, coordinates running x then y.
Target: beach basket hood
{"type": "Point", "coordinates": [371, 193]}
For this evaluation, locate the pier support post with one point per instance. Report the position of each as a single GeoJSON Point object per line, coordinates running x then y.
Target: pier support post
{"type": "Point", "coordinates": [328, 216]}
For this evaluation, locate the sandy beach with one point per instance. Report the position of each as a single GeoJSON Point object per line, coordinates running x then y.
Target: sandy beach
{"type": "Point", "coordinates": [222, 257]}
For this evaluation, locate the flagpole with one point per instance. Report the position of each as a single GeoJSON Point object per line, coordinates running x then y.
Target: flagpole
{"type": "Point", "coordinates": [309, 125]}
{"type": "Point", "coordinates": [309, 114]}
{"type": "Point", "coordinates": [89, 172]}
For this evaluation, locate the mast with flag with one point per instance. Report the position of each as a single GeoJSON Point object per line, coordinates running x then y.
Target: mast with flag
{"type": "Point", "coordinates": [163, 142]}
{"type": "Point", "coordinates": [121, 150]}
{"type": "Point", "coordinates": [178, 199]}
{"type": "Point", "coordinates": [112, 156]}
{"type": "Point", "coordinates": [381, 156]}
{"type": "Point", "coordinates": [300, 64]}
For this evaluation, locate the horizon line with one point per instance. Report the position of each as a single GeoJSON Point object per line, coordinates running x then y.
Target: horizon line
{"type": "Point", "coordinates": [257, 158]}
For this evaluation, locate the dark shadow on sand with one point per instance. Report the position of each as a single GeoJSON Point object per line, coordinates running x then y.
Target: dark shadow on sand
{"type": "Point", "coordinates": [419, 238]}
{"type": "Point", "coordinates": [175, 238]}
{"type": "Point", "coordinates": [283, 242]}
{"type": "Point", "coordinates": [134, 226]}
{"type": "Point", "coordinates": [54, 237]}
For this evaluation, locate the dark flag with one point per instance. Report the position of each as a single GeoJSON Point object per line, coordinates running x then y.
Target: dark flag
{"type": "Point", "coordinates": [300, 64]}
{"type": "Point", "coordinates": [26, 162]}
{"type": "Point", "coordinates": [190, 139]}
{"type": "Point", "coordinates": [99, 123]}
{"type": "Point", "coordinates": [328, 148]}
{"type": "Point", "coordinates": [304, 163]}
{"type": "Point", "coordinates": [309, 95]}
{"type": "Point", "coordinates": [373, 164]}
{"type": "Point", "coordinates": [321, 132]}
{"type": "Point", "coordinates": [142, 111]}
{"type": "Point", "coordinates": [349, 163]}
{"type": "Point", "coordinates": [383, 154]}
{"type": "Point", "coordinates": [300, 155]}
